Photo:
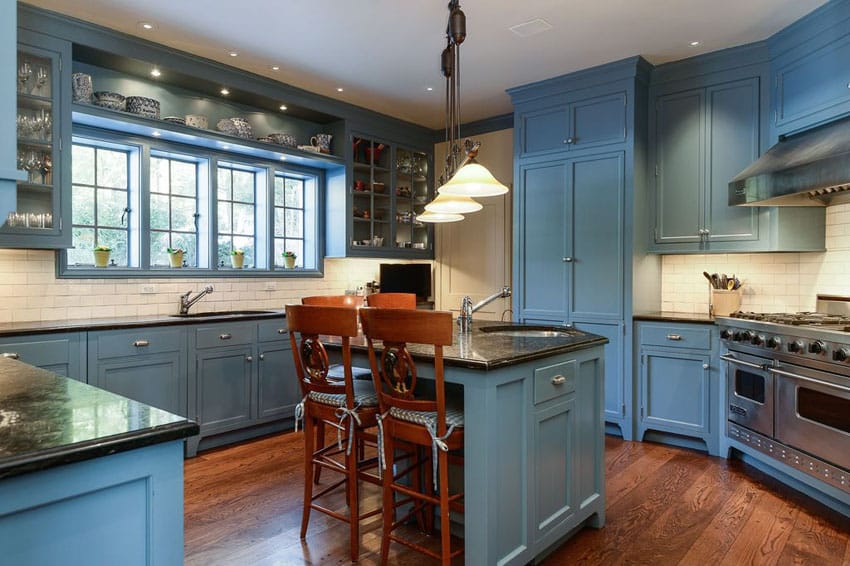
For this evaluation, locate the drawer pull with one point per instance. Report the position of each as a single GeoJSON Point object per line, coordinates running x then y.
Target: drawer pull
{"type": "Point", "coordinates": [141, 343]}
{"type": "Point", "coordinates": [225, 336]}
{"type": "Point", "coordinates": [249, 359]}
{"type": "Point", "coordinates": [281, 331]}
{"type": "Point", "coordinates": [705, 366]}
{"type": "Point", "coordinates": [11, 355]}
{"type": "Point", "coordinates": [559, 380]}
{"type": "Point", "coordinates": [262, 357]}
{"type": "Point", "coordinates": [674, 337]}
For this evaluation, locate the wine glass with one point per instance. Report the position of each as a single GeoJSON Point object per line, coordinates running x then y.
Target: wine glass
{"type": "Point", "coordinates": [41, 77]}
{"type": "Point", "coordinates": [46, 169]}
{"type": "Point", "coordinates": [24, 74]}
{"type": "Point", "coordinates": [32, 165]}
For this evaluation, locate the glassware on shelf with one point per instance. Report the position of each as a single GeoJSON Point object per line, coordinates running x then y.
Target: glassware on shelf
{"type": "Point", "coordinates": [24, 76]}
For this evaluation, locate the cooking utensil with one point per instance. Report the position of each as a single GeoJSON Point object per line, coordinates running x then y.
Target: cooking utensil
{"type": "Point", "coordinates": [707, 276]}
{"type": "Point", "coordinates": [730, 284]}
{"type": "Point", "coordinates": [715, 280]}
{"type": "Point", "coordinates": [723, 281]}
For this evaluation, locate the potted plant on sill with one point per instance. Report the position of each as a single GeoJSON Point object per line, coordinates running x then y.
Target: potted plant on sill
{"type": "Point", "coordinates": [289, 259]}
{"type": "Point", "coordinates": [237, 259]}
{"type": "Point", "coordinates": [175, 255]}
{"type": "Point", "coordinates": [101, 256]}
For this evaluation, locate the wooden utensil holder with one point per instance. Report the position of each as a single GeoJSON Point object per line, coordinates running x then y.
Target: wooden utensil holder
{"type": "Point", "coordinates": [724, 303]}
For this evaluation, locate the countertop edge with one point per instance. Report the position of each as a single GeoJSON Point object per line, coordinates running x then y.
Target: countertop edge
{"type": "Point", "coordinates": [521, 358]}
{"type": "Point", "coordinates": [672, 316]}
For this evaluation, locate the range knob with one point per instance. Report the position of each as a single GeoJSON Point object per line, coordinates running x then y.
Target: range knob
{"type": "Point", "coordinates": [817, 347]}
{"type": "Point", "coordinates": [774, 342]}
{"type": "Point", "coordinates": [841, 355]}
{"type": "Point", "coordinates": [747, 335]}
{"type": "Point", "coordinates": [757, 340]}
{"type": "Point", "coordinates": [726, 334]}
{"type": "Point", "coordinates": [796, 346]}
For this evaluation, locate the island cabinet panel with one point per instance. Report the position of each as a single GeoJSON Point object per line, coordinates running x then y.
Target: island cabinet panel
{"type": "Point", "coordinates": [62, 353]}
{"type": "Point", "coordinates": [679, 383]}
{"type": "Point", "coordinates": [555, 477]}
{"type": "Point", "coordinates": [144, 364]}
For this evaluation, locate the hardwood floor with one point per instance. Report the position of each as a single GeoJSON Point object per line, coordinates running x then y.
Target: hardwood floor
{"type": "Point", "coordinates": [665, 506]}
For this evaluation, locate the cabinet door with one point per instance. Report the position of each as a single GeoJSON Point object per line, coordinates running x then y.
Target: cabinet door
{"type": "Point", "coordinates": [616, 390]}
{"type": "Point", "coordinates": [680, 166]}
{"type": "Point", "coordinates": [542, 209]}
{"type": "Point", "coordinates": [597, 220]}
{"type": "Point", "coordinates": [59, 353]}
{"type": "Point", "coordinates": [674, 392]}
{"type": "Point", "coordinates": [156, 379]}
{"type": "Point", "coordinates": [555, 461]}
{"type": "Point", "coordinates": [544, 130]}
{"type": "Point", "coordinates": [598, 121]}
{"type": "Point", "coordinates": [733, 126]}
{"type": "Point", "coordinates": [224, 378]}
{"type": "Point", "coordinates": [278, 390]}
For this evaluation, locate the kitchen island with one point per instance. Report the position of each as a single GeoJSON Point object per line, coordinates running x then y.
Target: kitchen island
{"type": "Point", "coordinates": [534, 436]}
{"type": "Point", "coordinates": [86, 476]}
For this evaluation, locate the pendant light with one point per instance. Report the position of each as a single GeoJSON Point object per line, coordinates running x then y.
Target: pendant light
{"type": "Point", "coordinates": [465, 178]}
{"type": "Point", "coordinates": [438, 217]}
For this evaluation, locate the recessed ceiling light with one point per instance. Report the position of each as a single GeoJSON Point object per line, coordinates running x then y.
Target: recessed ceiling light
{"type": "Point", "coordinates": [225, 92]}
{"type": "Point", "coordinates": [694, 43]}
{"type": "Point", "coordinates": [339, 89]}
{"type": "Point", "coordinates": [155, 72]}
{"type": "Point", "coordinates": [146, 25]}
{"type": "Point", "coordinates": [429, 88]}
{"type": "Point", "coordinates": [156, 134]}
{"type": "Point", "coordinates": [283, 106]}
{"type": "Point", "coordinates": [233, 54]}
{"type": "Point", "coordinates": [275, 68]}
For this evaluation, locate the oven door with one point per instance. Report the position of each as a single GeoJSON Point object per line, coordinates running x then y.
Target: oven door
{"type": "Point", "coordinates": [749, 392]}
{"type": "Point", "coordinates": [813, 412]}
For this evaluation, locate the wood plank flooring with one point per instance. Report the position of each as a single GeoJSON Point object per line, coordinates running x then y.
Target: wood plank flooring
{"type": "Point", "coordinates": [665, 506]}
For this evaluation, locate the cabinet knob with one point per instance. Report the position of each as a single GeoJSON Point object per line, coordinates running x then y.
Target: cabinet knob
{"type": "Point", "coordinates": [11, 355]}
{"type": "Point", "coordinates": [674, 337]}
{"type": "Point", "coordinates": [262, 357]}
{"type": "Point", "coordinates": [225, 336]}
{"type": "Point", "coordinates": [141, 343]}
{"type": "Point", "coordinates": [570, 141]}
{"type": "Point", "coordinates": [249, 359]}
{"type": "Point", "coordinates": [705, 366]}
{"type": "Point", "coordinates": [559, 380]}
{"type": "Point", "coordinates": [281, 331]}
{"type": "Point", "coordinates": [567, 259]}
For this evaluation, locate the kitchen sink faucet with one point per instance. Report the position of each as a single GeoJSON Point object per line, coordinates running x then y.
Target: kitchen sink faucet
{"type": "Point", "coordinates": [186, 302]}
{"type": "Point", "coordinates": [464, 319]}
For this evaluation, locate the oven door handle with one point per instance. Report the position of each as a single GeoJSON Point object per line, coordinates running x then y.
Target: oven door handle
{"type": "Point", "coordinates": [734, 360]}
{"type": "Point", "coordinates": [809, 379]}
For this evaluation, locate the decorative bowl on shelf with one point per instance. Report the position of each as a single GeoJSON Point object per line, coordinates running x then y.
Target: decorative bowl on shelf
{"type": "Point", "coordinates": [283, 139]}
{"type": "Point", "coordinates": [175, 120]}
{"type": "Point", "coordinates": [265, 139]}
{"type": "Point", "coordinates": [143, 106]}
{"type": "Point", "coordinates": [197, 121]}
{"type": "Point", "coordinates": [110, 100]}
{"type": "Point", "coordinates": [235, 127]}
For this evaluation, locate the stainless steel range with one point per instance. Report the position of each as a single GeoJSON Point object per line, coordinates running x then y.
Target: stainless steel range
{"type": "Point", "coordinates": [788, 387]}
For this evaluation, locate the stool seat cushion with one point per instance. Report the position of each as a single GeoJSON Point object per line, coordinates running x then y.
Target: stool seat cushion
{"type": "Point", "coordinates": [364, 396]}
{"type": "Point", "coordinates": [428, 419]}
{"type": "Point", "coordinates": [337, 373]}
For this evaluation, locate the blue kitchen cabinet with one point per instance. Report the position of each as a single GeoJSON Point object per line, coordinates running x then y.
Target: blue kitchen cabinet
{"type": "Point", "coordinates": [587, 121]}
{"type": "Point", "coordinates": [146, 364]}
{"type": "Point", "coordinates": [678, 384]}
{"type": "Point", "coordinates": [618, 389]}
{"type": "Point", "coordinates": [555, 476]}
{"type": "Point", "coordinates": [277, 384]}
{"type": "Point", "coordinates": [62, 353]}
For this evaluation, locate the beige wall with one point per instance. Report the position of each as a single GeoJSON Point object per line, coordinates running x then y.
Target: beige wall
{"type": "Point", "coordinates": [774, 282]}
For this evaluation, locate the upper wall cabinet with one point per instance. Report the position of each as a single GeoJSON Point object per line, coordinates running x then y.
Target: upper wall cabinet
{"type": "Point", "coordinates": [704, 130]}
{"type": "Point", "coordinates": [41, 219]}
{"type": "Point", "coordinates": [577, 125]}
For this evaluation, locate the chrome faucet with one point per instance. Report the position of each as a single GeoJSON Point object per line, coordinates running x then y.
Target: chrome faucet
{"type": "Point", "coordinates": [186, 302]}
{"type": "Point", "coordinates": [464, 319]}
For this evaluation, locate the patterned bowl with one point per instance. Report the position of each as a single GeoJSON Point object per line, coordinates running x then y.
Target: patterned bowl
{"type": "Point", "coordinates": [284, 139]}
{"type": "Point", "coordinates": [235, 127]}
{"type": "Point", "coordinates": [197, 121]}
{"type": "Point", "coordinates": [175, 120]}
{"type": "Point", "coordinates": [81, 87]}
{"type": "Point", "coordinates": [143, 106]}
{"type": "Point", "coordinates": [110, 100]}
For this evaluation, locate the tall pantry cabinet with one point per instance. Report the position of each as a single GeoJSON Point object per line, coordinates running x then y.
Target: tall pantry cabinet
{"type": "Point", "coordinates": [581, 213]}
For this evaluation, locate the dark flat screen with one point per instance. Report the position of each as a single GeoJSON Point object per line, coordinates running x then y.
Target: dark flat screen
{"type": "Point", "coordinates": [407, 278]}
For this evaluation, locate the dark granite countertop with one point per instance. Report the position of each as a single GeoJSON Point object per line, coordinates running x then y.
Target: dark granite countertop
{"type": "Point", "coordinates": [486, 351]}
{"type": "Point", "coordinates": [47, 420]}
{"type": "Point", "coordinates": [40, 327]}
{"type": "Point", "coordinates": [671, 316]}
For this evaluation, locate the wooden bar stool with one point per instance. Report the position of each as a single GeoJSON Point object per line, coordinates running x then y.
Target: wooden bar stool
{"type": "Point", "coordinates": [349, 406]}
{"type": "Point", "coordinates": [351, 301]}
{"type": "Point", "coordinates": [392, 300]}
{"type": "Point", "coordinates": [413, 421]}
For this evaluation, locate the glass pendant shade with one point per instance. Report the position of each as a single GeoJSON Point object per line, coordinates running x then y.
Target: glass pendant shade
{"type": "Point", "coordinates": [439, 217]}
{"type": "Point", "coordinates": [453, 205]}
{"type": "Point", "coordinates": [473, 180]}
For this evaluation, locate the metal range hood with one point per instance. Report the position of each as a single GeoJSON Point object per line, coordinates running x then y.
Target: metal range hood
{"type": "Point", "coordinates": [808, 169]}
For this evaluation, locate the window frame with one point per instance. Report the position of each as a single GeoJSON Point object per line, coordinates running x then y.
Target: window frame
{"type": "Point", "coordinates": [207, 207]}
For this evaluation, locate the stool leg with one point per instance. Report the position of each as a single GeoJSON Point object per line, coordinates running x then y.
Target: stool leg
{"type": "Point", "coordinates": [309, 431]}
{"type": "Point", "coordinates": [320, 443]}
{"type": "Point", "coordinates": [353, 492]}
{"type": "Point", "coordinates": [445, 534]}
{"type": "Point", "coordinates": [388, 503]}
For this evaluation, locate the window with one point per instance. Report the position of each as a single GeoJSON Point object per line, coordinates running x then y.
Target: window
{"type": "Point", "coordinates": [100, 203]}
{"type": "Point", "coordinates": [141, 196]}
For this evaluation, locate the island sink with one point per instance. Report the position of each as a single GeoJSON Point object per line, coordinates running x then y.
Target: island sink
{"type": "Point", "coordinates": [526, 331]}
{"type": "Point", "coordinates": [219, 313]}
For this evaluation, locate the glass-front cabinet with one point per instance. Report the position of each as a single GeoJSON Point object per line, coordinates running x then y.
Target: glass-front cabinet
{"type": "Point", "coordinates": [371, 194]}
{"type": "Point", "coordinates": [411, 195]}
{"type": "Point", "coordinates": [37, 222]}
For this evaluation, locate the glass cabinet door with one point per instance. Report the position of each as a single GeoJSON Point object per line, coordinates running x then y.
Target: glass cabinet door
{"type": "Point", "coordinates": [411, 195]}
{"type": "Point", "coordinates": [371, 196]}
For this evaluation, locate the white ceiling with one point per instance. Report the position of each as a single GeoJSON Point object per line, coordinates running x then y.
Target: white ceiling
{"type": "Point", "coordinates": [384, 53]}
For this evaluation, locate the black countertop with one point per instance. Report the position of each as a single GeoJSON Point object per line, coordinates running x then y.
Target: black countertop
{"type": "Point", "coordinates": [79, 325]}
{"type": "Point", "coordinates": [670, 316]}
{"type": "Point", "coordinates": [486, 350]}
{"type": "Point", "coordinates": [47, 420]}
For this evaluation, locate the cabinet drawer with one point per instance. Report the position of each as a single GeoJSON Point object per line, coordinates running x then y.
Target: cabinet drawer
{"type": "Point", "coordinates": [135, 342]}
{"type": "Point", "coordinates": [224, 335]}
{"type": "Point", "coordinates": [36, 350]}
{"type": "Point", "coordinates": [270, 330]}
{"type": "Point", "coordinates": [554, 381]}
{"type": "Point", "coordinates": [677, 336]}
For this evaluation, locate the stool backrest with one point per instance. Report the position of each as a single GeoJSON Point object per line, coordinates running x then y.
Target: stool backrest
{"type": "Point", "coordinates": [394, 373]}
{"type": "Point", "coordinates": [334, 300]}
{"type": "Point", "coordinates": [392, 300]}
{"type": "Point", "coordinates": [311, 359]}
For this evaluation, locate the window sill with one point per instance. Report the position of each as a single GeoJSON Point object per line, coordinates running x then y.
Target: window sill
{"type": "Point", "coordinates": [181, 273]}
